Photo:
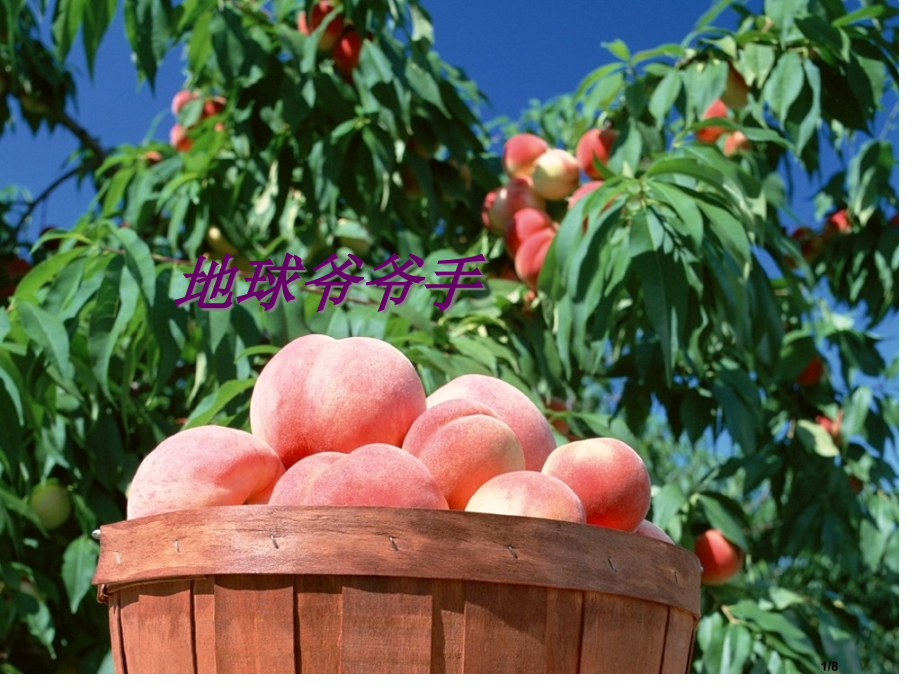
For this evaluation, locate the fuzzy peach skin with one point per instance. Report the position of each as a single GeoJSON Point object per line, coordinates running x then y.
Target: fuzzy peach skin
{"type": "Point", "coordinates": [653, 531]}
{"type": "Point", "coordinates": [555, 174]}
{"type": "Point", "coordinates": [377, 475]}
{"type": "Point", "coordinates": [295, 484]}
{"type": "Point", "coordinates": [319, 394]}
{"type": "Point", "coordinates": [518, 193]}
{"type": "Point", "coordinates": [204, 466]}
{"type": "Point", "coordinates": [721, 559]}
{"type": "Point", "coordinates": [463, 444]}
{"type": "Point", "coordinates": [521, 152]}
{"type": "Point", "coordinates": [609, 478]}
{"type": "Point", "coordinates": [528, 261]}
{"type": "Point", "coordinates": [594, 142]}
{"type": "Point", "coordinates": [710, 135]}
{"type": "Point", "coordinates": [527, 494]}
{"type": "Point", "coordinates": [511, 406]}
{"type": "Point", "coordinates": [525, 224]}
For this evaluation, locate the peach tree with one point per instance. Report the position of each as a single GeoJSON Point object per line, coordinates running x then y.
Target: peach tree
{"type": "Point", "coordinates": [676, 308]}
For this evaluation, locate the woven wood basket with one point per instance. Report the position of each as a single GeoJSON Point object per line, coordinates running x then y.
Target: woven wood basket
{"type": "Point", "coordinates": [260, 589]}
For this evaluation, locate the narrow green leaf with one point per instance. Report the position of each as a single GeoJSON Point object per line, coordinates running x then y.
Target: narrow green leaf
{"type": "Point", "coordinates": [664, 95]}
{"type": "Point", "coordinates": [212, 405]}
{"type": "Point", "coordinates": [77, 569]}
{"type": "Point", "coordinates": [49, 334]}
{"type": "Point", "coordinates": [784, 84]}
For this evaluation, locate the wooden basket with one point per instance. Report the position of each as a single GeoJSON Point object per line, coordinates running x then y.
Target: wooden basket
{"type": "Point", "coordinates": [264, 589]}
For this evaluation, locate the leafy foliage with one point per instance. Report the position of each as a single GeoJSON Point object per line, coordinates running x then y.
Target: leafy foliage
{"type": "Point", "coordinates": [681, 319]}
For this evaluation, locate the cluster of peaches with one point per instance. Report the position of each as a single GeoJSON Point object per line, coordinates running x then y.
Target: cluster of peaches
{"type": "Point", "coordinates": [210, 106]}
{"type": "Point", "coordinates": [347, 423]}
{"type": "Point", "coordinates": [339, 37]}
{"type": "Point", "coordinates": [538, 174]}
{"type": "Point", "coordinates": [735, 97]}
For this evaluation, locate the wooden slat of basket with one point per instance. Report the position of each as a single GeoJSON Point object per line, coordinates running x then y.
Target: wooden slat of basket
{"type": "Point", "coordinates": [447, 626]}
{"type": "Point", "coordinates": [622, 635]}
{"type": "Point", "coordinates": [161, 611]}
{"type": "Point", "coordinates": [677, 655]}
{"type": "Point", "coordinates": [319, 616]}
{"type": "Point", "coordinates": [398, 543]}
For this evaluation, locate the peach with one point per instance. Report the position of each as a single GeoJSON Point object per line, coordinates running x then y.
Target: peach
{"type": "Point", "coordinates": [609, 478]}
{"type": "Point", "coordinates": [836, 223]}
{"type": "Point", "coordinates": [521, 153]}
{"type": "Point", "coordinates": [295, 484]}
{"type": "Point", "coordinates": [318, 13]}
{"type": "Point", "coordinates": [347, 51]}
{"type": "Point", "coordinates": [735, 143]}
{"type": "Point", "coordinates": [528, 261]}
{"type": "Point", "coordinates": [583, 191]}
{"type": "Point", "coordinates": [319, 394]}
{"type": "Point", "coordinates": [653, 531]}
{"type": "Point", "coordinates": [463, 444]}
{"type": "Point", "coordinates": [179, 139]}
{"type": "Point", "coordinates": [736, 89]}
{"type": "Point", "coordinates": [710, 135]}
{"type": "Point", "coordinates": [213, 106]}
{"type": "Point", "coordinates": [594, 142]}
{"type": "Point", "coordinates": [511, 406]}
{"type": "Point", "coordinates": [524, 224]}
{"type": "Point", "coordinates": [518, 193]}
{"type": "Point", "coordinates": [555, 174]}
{"type": "Point", "coordinates": [812, 373]}
{"type": "Point", "coordinates": [558, 423]}
{"type": "Point", "coordinates": [833, 426]}
{"type": "Point", "coordinates": [204, 466]}
{"type": "Point", "coordinates": [527, 494]}
{"type": "Point", "coordinates": [181, 99]}
{"type": "Point", "coordinates": [810, 243]}
{"type": "Point", "coordinates": [377, 475]}
{"type": "Point", "coordinates": [720, 559]}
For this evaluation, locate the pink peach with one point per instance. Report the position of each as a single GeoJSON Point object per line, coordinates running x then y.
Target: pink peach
{"type": "Point", "coordinates": [511, 406]}
{"type": "Point", "coordinates": [319, 394]}
{"type": "Point", "coordinates": [377, 475]}
{"type": "Point", "coordinates": [463, 444]}
{"type": "Point", "coordinates": [518, 193]}
{"type": "Point", "coordinates": [609, 478]}
{"type": "Point", "coordinates": [594, 143]}
{"type": "Point", "coordinates": [555, 174]}
{"type": "Point", "coordinates": [204, 466]}
{"type": "Point", "coordinates": [527, 494]}
{"type": "Point", "coordinates": [295, 484]}
{"type": "Point", "coordinates": [525, 224]}
{"type": "Point", "coordinates": [529, 258]}
{"type": "Point", "coordinates": [521, 153]}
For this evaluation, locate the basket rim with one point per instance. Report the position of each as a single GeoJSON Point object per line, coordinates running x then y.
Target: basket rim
{"type": "Point", "coordinates": [396, 542]}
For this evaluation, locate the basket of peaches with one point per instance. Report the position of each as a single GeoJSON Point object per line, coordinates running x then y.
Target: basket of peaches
{"type": "Point", "coordinates": [363, 526]}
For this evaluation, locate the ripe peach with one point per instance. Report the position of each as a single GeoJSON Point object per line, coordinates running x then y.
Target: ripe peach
{"type": "Point", "coordinates": [179, 139]}
{"type": "Point", "coordinates": [528, 261]}
{"type": "Point", "coordinates": [594, 142]}
{"type": "Point", "coordinates": [812, 374]}
{"type": "Point", "coordinates": [319, 394]}
{"type": "Point", "coordinates": [833, 426]}
{"type": "Point", "coordinates": [377, 475]}
{"type": "Point", "coordinates": [720, 559]}
{"type": "Point", "coordinates": [653, 531]}
{"type": "Point", "coordinates": [528, 494]}
{"type": "Point", "coordinates": [525, 224]}
{"type": "Point", "coordinates": [736, 89]}
{"type": "Point", "coordinates": [518, 193]}
{"type": "Point", "coordinates": [181, 99]}
{"type": "Point", "coordinates": [511, 406]}
{"type": "Point", "coordinates": [709, 135]}
{"type": "Point", "coordinates": [295, 484]}
{"type": "Point", "coordinates": [836, 223]}
{"type": "Point", "coordinates": [555, 174]}
{"type": "Point", "coordinates": [320, 11]}
{"type": "Point", "coordinates": [463, 444]}
{"type": "Point", "coordinates": [810, 243]}
{"type": "Point", "coordinates": [583, 191]}
{"type": "Point", "coordinates": [609, 478]}
{"type": "Point", "coordinates": [735, 143]}
{"type": "Point", "coordinates": [204, 466]}
{"type": "Point", "coordinates": [213, 106]}
{"type": "Point", "coordinates": [521, 153]}
{"type": "Point", "coordinates": [347, 51]}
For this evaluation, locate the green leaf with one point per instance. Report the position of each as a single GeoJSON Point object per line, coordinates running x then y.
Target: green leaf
{"type": "Point", "coordinates": [736, 649]}
{"type": "Point", "coordinates": [97, 17]}
{"type": "Point", "coordinates": [148, 27]}
{"type": "Point", "coordinates": [212, 405]}
{"type": "Point", "coordinates": [785, 84]}
{"type": "Point", "coordinates": [664, 95]}
{"type": "Point", "coordinates": [68, 14]}
{"type": "Point", "coordinates": [724, 515]}
{"type": "Point", "coordinates": [77, 569]}
{"type": "Point", "coordinates": [816, 439]}
{"type": "Point", "coordinates": [49, 334]}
